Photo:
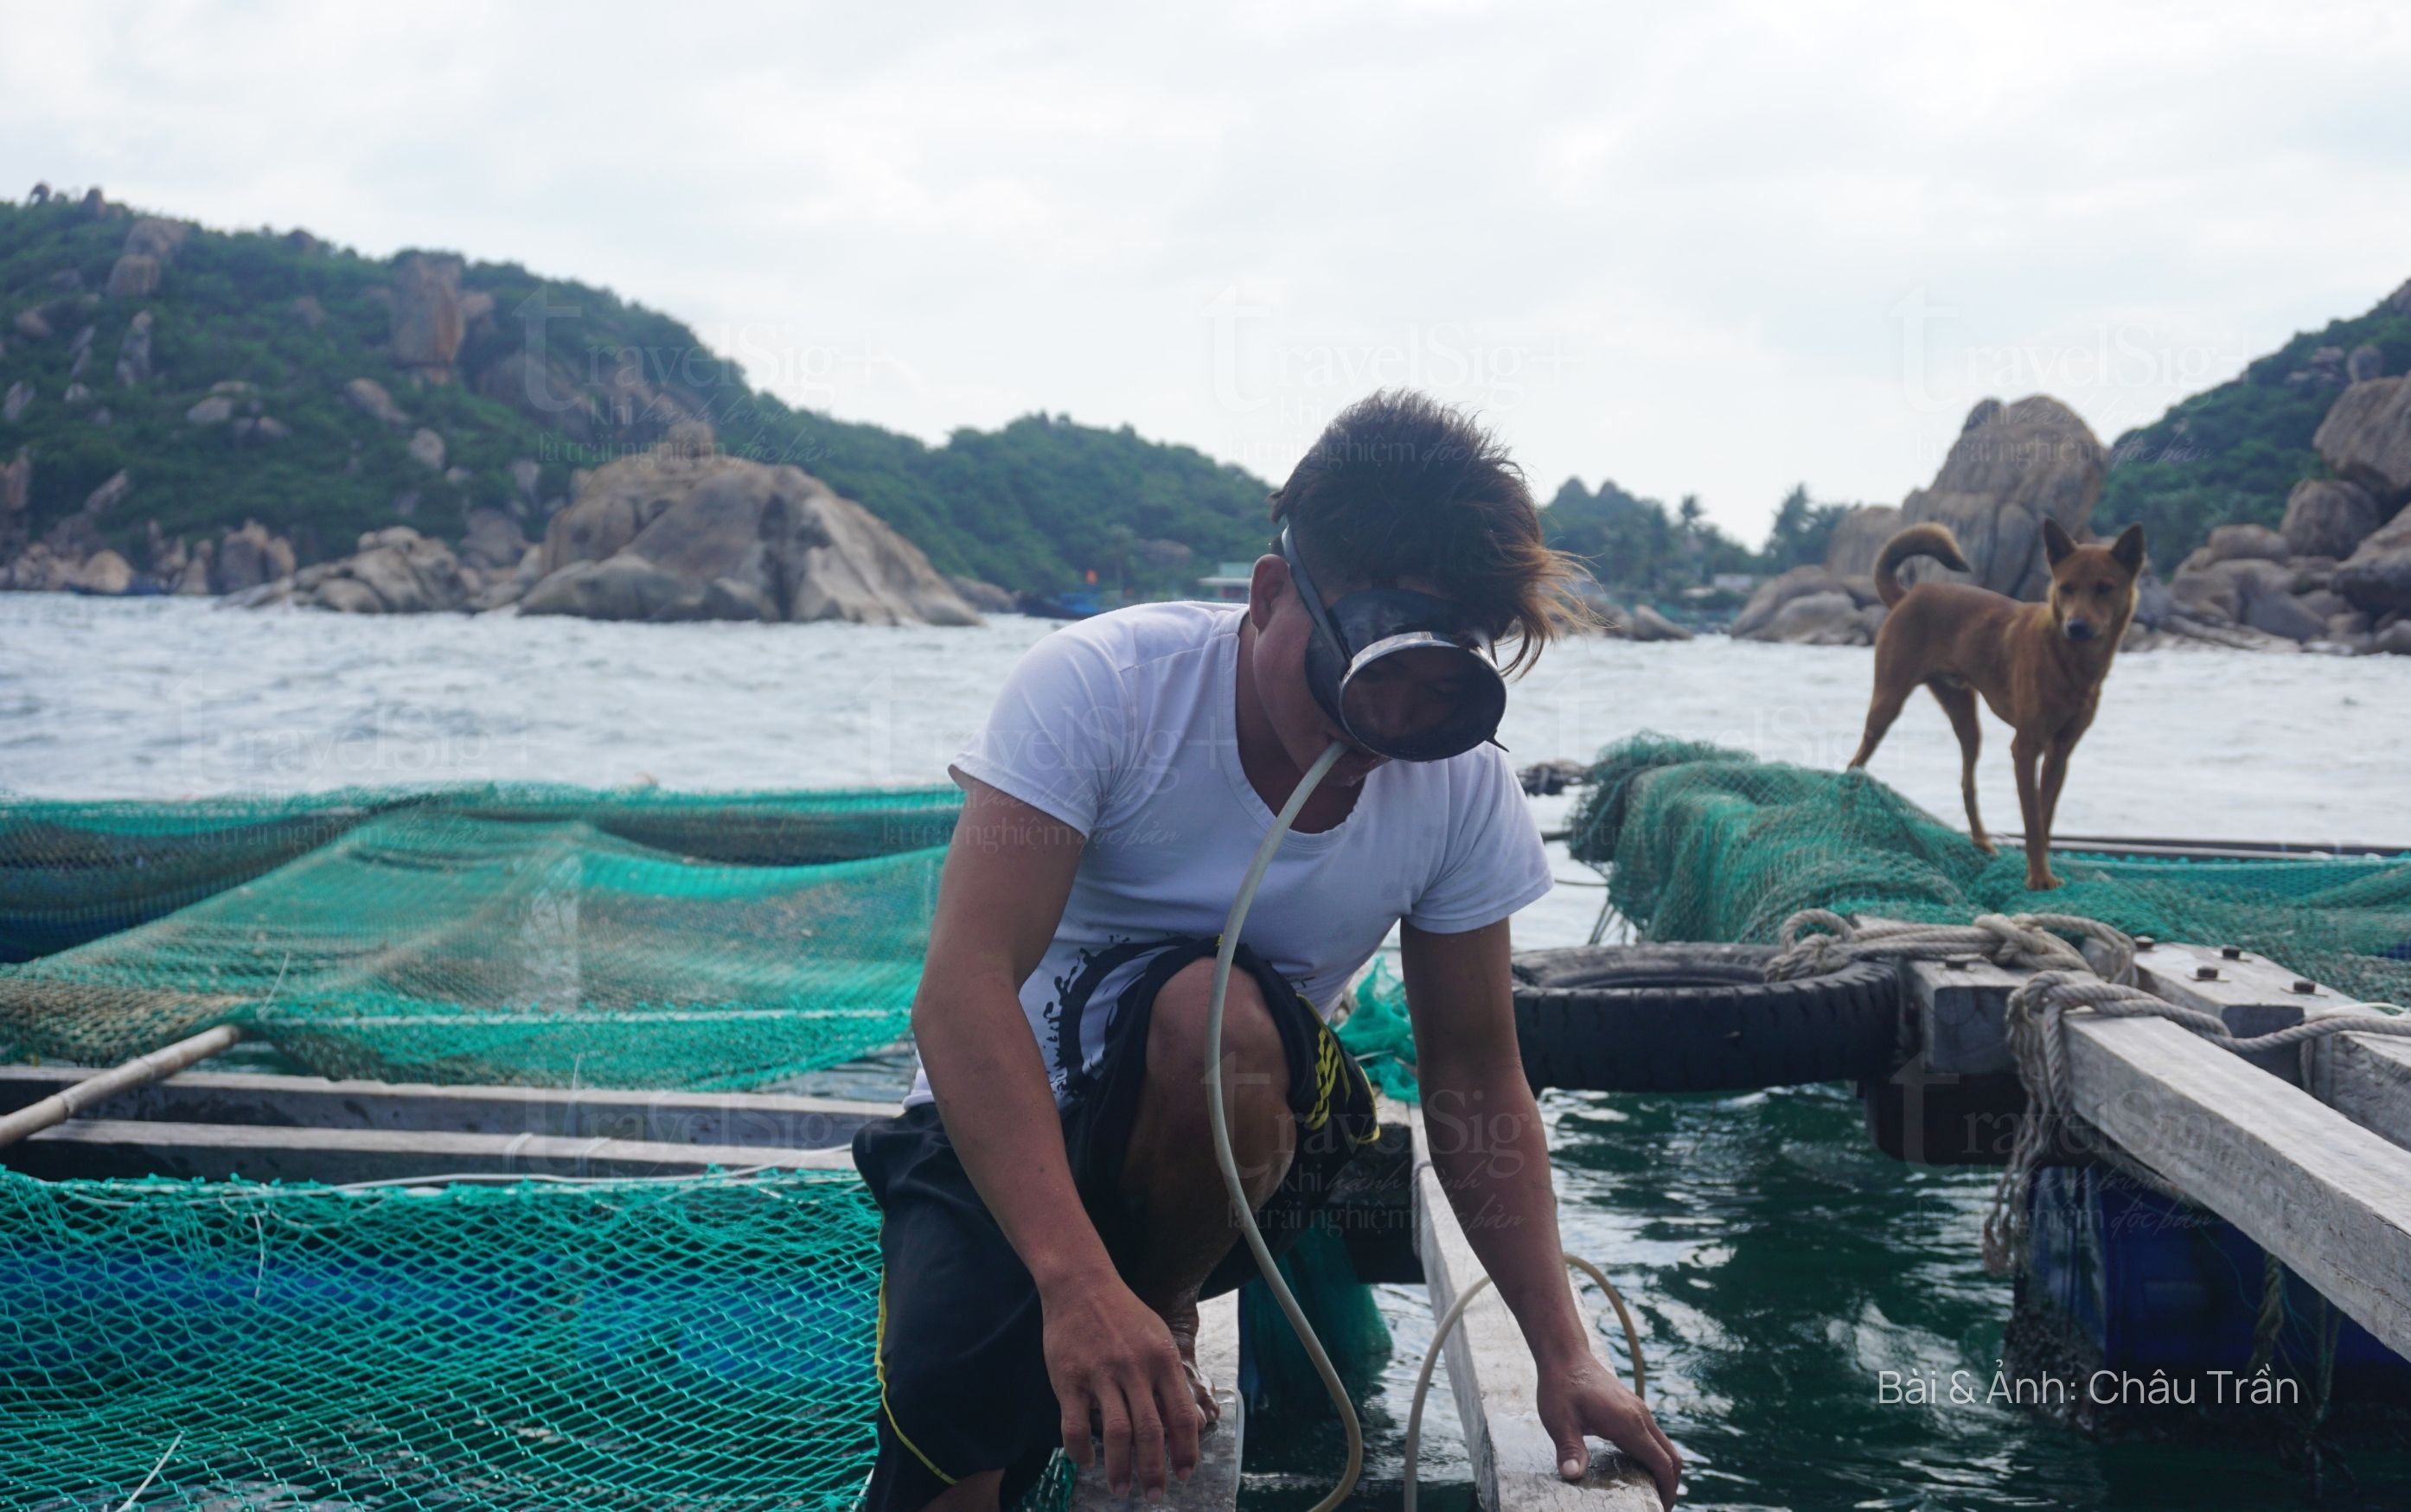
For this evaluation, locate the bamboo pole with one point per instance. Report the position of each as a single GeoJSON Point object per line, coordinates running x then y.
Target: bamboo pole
{"type": "Point", "coordinates": [140, 1072]}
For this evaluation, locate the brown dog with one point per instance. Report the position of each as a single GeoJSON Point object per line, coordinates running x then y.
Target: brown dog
{"type": "Point", "coordinates": [2040, 665]}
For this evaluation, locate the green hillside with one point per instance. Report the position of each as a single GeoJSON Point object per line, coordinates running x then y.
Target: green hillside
{"type": "Point", "coordinates": [1033, 505]}
{"type": "Point", "coordinates": [2231, 453]}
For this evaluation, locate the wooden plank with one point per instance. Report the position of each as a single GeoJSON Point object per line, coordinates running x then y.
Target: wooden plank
{"type": "Point", "coordinates": [103, 1147]}
{"type": "Point", "coordinates": [2367, 1078]}
{"type": "Point", "coordinates": [2328, 1198]}
{"type": "Point", "coordinates": [2251, 995]}
{"type": "Point", "coordinates": [1215, 1483]}
{"type": "Point", "coordinates": [1490, 1372]}
{"type": "Point", "coordinates": [735, 1119]}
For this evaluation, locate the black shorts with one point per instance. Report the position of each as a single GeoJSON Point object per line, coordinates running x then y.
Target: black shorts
{"type": "Point", "coordinates": [962, 1369]}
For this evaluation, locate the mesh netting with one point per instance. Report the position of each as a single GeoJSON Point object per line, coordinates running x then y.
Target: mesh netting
{"type": "Point", "coordinates": [697, 1344]}
{"type": "Point", "coordinates": [542, 936]}
{"type": "Point", "coordinates": [1703, 843]}
{"type": "Point", "coordinates": [71, 872]}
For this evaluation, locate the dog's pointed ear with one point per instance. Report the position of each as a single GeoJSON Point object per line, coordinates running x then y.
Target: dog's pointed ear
{"type": "Point", "coordinates": [2056, 542]}
{"type": "Point", "coordinates": [2127, 550]}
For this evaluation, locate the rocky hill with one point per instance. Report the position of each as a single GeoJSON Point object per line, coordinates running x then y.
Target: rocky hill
{"type": "Point", "coordinates": [215, 410]}
{"type": "Point", "coordinates": [2233, 455]}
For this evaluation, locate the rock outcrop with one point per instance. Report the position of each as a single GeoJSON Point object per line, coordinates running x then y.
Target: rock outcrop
{"type": "Point", "coordinates": [679, 532]}
{"type": "Point", "coordinates": [984, 597]}
{"type": "Point", "coordinates": [2377, 575]}
{"type": "Point", "coordinates": [151, 244]}
{"type": "Point", "coordinates": [369, 397]}
{"type": "Point", "coordinates": [395, 571]}
{"type": "Point", "coordinates": [2014, 467]}
{"type": "Point", "coordinates": [134, 352]}
{"type": "Point", "coordinates": [2327, 517]}
{"type": "Point", "coordinates": [248, 557]}
{"type": "Point", "coordinates": [2366, 438]}
{"type": "Point", "coordinates": [1858, 537]}
{"type": "Point", "coordinates": [428, 321]}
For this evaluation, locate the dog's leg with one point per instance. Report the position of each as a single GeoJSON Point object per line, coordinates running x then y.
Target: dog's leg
{"type": "Point", "coordinates": [1958, 701]}
{"type": "Point", "coordinates": [1881, 714]}
{"type": "Point", "coordinates": [2025, 753]}
{"type": "Point", "coordinates": [2054, 772]}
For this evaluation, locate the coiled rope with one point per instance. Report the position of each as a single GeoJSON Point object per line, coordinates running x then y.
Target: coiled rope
{"type": "Point", "coordinates": [2064, 980]}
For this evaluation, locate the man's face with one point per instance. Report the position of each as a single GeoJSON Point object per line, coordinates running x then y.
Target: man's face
{"type": "Point", "coordinates": [1405, 691]}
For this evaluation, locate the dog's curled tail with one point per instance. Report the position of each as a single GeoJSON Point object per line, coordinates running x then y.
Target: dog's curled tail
{"type": "Point", "coordinates": [1930, 538]}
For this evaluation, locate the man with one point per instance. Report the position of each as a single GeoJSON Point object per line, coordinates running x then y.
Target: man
{"type": "Point", "coordinates": [1053, 1208]}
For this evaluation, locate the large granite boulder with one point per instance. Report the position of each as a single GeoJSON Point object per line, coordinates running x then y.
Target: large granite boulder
{"type": "Point", "coordinates": [1758, 615]}
{"type": "Point", "coordinates": [134, 351]}
{"type": "Point", "coordinates": [1859, 537]}
{"type": "Point", "coordinates": [2014, 467]}
{"type": "Point", "coordinates": [1647, 624]}
{"type": "Point", "coordinates": [395, 571]}
{"type": "Point", "coordinates": [2377, 575]}
{"type": "Point", "coordinates": [494, 541]}
{"type": "Point", "coordinates": [983, 596]}
{"type": "Point", "coordinates": [1828, 619]}
{"type": "Point", "coordinates": [2327, 518]}
{"type": "Point", "coordinates": [2224, 592]}
{"type": "Point", "coordinates": [369, 398]}
{"type": "Point", "coordinates": [103, 571]}
{"type": "Point", "coordinates": [2247, 542]}
{"type": "Point", "coordinates": [428, 320]}
{"type": "Point", "coordinates": [2366, 439]}
{"type": "Point", "coordinates": [249, 558]}
{"type": "Point", "coordinates": [679, 532]}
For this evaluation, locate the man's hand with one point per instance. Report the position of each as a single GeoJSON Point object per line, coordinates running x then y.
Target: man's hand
{"type": "Point", "coordinates": [1583, 1398]}
{"type": "Point", "coordinates": [1109, 1353]}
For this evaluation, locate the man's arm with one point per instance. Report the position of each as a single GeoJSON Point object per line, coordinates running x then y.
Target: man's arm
{"type": "Point", "coordinates": [1001, 897]}
{"type": "Point", "coordinates": [1492, 1154]}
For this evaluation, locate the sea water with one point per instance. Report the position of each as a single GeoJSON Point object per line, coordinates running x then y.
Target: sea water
{"type": "Point", "coordinates": [1778, 1264]}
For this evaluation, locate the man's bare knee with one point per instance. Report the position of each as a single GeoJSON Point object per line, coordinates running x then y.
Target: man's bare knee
{"type": "Point", "coordinates": [1253, 1057]}
{"type": "Point", "coordinates": [1174, 1119]}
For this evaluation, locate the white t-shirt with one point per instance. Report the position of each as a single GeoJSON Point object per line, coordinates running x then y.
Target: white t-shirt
{"type": "Point", "coordinates": [1124, 727]}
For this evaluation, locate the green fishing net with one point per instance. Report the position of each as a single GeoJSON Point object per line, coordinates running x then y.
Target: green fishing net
{"type": "Point", "coordinates": [531, 935]}
{"type": "Point", "coordinates": [1703, 843]}
{"type": "Point", "coordinates": [692, 1344]}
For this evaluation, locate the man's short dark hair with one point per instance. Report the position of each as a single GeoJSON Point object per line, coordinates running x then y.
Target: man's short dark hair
{"type": "Point", "coordinates": [1402, 486]}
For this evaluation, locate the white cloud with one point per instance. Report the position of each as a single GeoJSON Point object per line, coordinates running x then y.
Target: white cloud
{"type": "Point", "coordinates": [1667, 245]}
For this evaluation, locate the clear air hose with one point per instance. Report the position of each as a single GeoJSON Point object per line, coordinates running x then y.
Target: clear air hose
{"type": "Point", "coordinates": [1222, 1120]}
{"type": "Point", "coordinates": [1265, 1265]}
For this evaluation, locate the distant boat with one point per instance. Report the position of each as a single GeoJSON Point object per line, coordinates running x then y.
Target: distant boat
{"type": "Point", "coordinates": [1076, 605]}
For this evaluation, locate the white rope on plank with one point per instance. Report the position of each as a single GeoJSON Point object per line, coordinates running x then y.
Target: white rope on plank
{"type": "Point", "coordinates": [2064, 980]}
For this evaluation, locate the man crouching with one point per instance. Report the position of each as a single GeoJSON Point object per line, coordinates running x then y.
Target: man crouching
{"type": "Point", "coordinates": [1052, 1207]}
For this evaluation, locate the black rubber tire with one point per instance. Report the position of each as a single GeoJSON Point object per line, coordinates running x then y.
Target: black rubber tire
{"type": "Point", "coordinates": [1697, 1018]}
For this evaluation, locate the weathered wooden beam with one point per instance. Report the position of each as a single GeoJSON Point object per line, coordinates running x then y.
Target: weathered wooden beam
{"type": "Point", "coordinates": [1215, 1483]}
{"type": "Point", "coordinates": [1961, 1007]}
{"type": "Point", "coordinates": [2324, 1195]}
{"type": "Point", "coordinates": [721, 1118]}
{"type": "Point", "coordinates": [2252, 995]}
{"type": "Point", "coordinates": [2367, 1079]}
{"type": "Point", "coordinates": [104, 1147]}
{"type": "Point", "coordinates": [1491, 1374]}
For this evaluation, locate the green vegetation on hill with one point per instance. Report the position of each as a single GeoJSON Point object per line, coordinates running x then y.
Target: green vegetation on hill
{"type": "Point", "coordinates": [558, 373]}
{"type": "Point", "coordinates": [2229, 455]}
{"type": "Point", "coordinates": [1639, 546]}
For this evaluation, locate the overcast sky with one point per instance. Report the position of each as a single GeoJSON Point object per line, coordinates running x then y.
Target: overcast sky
{"type": "Point", "coordinates": [1711, 248]}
